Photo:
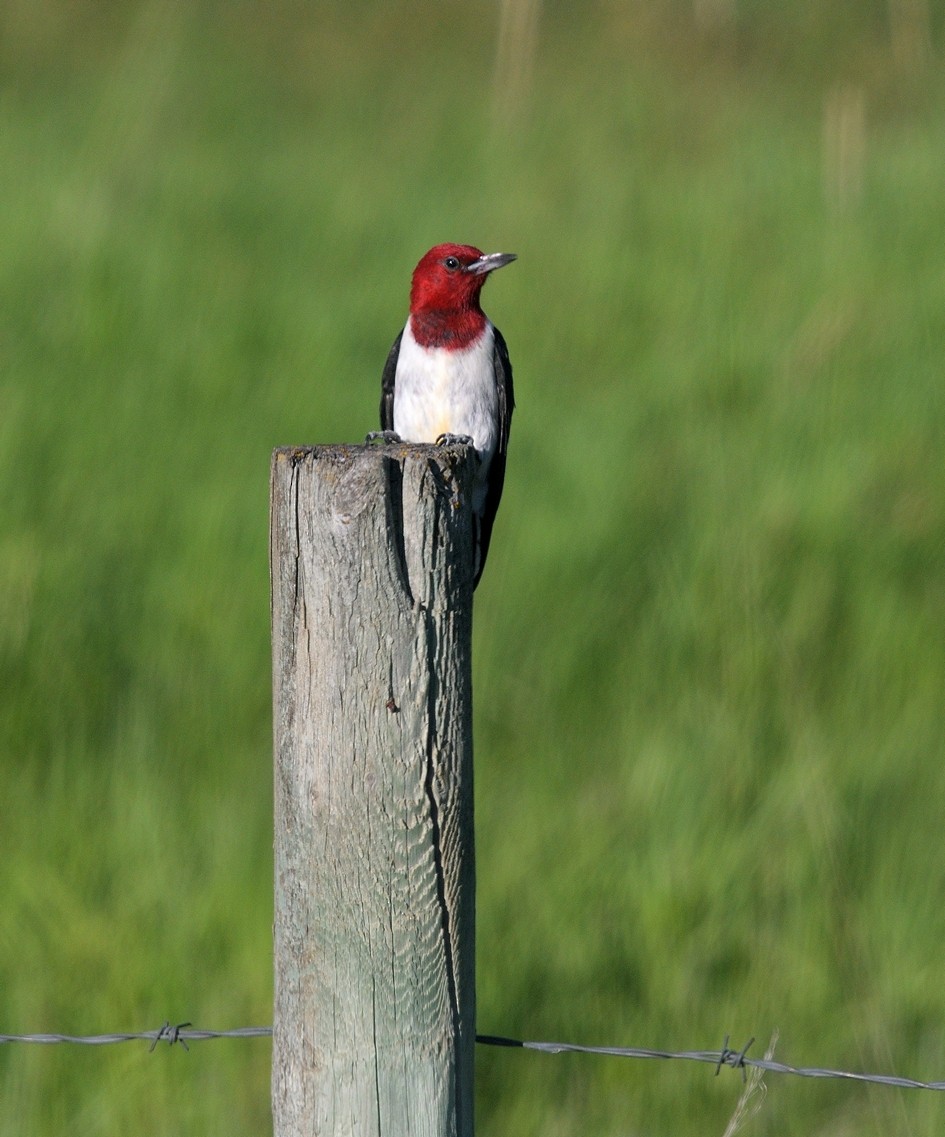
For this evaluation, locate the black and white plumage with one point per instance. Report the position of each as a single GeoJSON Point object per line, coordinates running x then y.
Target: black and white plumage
{"type": "Point", "coordinates": [448, 374]}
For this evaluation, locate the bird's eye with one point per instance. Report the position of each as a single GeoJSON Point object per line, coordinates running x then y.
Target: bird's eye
{"type": "Point", "coordinates": [452, 263]}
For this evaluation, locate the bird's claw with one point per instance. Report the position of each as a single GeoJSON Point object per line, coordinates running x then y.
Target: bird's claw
{"type": "Point", "coordinates": [382, 436]}
{"type": "Point", "coordinates": [454, 440]}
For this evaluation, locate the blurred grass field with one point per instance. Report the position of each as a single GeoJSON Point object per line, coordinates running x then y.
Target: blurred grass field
{"type": "Point", "coordinates": [710, 644]}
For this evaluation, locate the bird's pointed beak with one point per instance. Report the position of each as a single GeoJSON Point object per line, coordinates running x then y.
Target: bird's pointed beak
{"type": "Point", "coordinates": [490, 261]}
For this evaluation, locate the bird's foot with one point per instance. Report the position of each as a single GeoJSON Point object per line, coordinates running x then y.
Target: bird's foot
{"type": "Point", "coordinates": [382, 436]}
{"type": "Point", "coordinates": [454, 440]}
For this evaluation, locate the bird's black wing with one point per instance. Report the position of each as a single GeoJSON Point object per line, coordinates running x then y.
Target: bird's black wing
{"type": "Point", "coordinates": [506, 404]}
{"type": "Point", "coordinates": [387, 386]}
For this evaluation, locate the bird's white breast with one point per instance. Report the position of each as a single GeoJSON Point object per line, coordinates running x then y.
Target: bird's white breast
{"type": "Point", "coordinates": [437, 391]}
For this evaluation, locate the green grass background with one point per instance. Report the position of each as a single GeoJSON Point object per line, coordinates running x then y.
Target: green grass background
{"type": "Point", "coordinates": [710, 643]}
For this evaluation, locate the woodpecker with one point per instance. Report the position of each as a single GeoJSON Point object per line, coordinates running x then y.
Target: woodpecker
{"type": "Point", "coordinates": [448, 377]}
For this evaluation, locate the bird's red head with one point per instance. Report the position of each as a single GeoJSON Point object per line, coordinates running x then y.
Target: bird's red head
{"type": "Point", "coordinates": [450, 278]}
{"type": "Point", "coordinates": [444, 294]}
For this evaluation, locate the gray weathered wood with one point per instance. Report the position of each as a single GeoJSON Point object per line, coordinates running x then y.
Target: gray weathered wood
{"type": "Point", "coordinates": [374, 1009]}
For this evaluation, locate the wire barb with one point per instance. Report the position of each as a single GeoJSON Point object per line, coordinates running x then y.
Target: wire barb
{"type": "Point", "coordinates": [170, 1035]}
{"type": "Point", "coordinates": [723, 1056]}
{"type": "Point", "coordinates": [739, 1063]}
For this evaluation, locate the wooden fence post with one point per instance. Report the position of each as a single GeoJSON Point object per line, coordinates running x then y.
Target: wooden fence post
{"type": "Point", "coordinates": [374, 1008]}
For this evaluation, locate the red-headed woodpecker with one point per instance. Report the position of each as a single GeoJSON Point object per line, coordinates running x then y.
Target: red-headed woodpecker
{"type": "Point", "coordinates": [448, 377]}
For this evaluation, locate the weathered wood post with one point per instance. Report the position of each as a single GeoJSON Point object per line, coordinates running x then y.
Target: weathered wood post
{"type": "Point", "coordinates": [374, 1009]}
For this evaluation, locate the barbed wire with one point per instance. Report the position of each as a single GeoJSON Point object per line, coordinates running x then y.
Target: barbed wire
{"type": "Point", "coordinates": [737, 1059]}
{"type": "Point", "coordinates": [168, 1033]}
{"type": "Point", "coordinates": [184, 1033]}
